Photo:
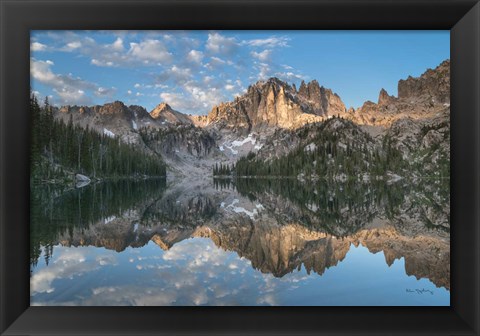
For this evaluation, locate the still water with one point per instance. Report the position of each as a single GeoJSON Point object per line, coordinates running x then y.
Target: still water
{"type": "Point", "coordinates": [244, 242]}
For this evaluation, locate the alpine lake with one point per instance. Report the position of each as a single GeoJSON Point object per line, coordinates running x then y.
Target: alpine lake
{"type": "Point", "coordinates": [247, 241]}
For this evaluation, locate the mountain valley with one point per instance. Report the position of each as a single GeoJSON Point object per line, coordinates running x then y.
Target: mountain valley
{"type": "Point", "coordinates": [273, 120]}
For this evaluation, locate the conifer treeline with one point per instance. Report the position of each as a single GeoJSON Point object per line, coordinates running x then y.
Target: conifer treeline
{"type": "Point", "coordinates": [223, 169]}
{"type": "Point", "coordinates": [327, 160]}
{"type": "Point", "coordinates": [83, 207]}
{"type": "Point", "coordinates": [59, 149]}
{"type": "Point", "coordinates": [327, 156]}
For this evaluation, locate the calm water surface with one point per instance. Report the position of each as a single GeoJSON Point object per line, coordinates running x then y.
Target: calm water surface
{"type": "Point", "coordinates": [251, 242]}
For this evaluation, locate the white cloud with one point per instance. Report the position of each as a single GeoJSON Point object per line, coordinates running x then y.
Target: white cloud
{"type": "Point", "coordinates": [96, 62]}
{"type": "Point", "coordinates": [147, 52]}
{"type": "Point", "coordinates": [265, 71]}
{"type": "Point", "coordinates": [195, 98]}
{"type": "Point", "coordinates": [70, 89]}
{"type": "Point", "coordinates": [229, 87]}
{"type": "Point", "coordinates": [289, 76]}
{"type": "Point", "coordinates": [104, 92]}
{"type": "Point", "coordinates": [177, 100]}
{"type": "Point", "coordinates": [72, 96]}
{"type": "Point", "coordinates": [262, 56]}
{"type": "Point", "coordinates": [270, 42]}
{"type": "Point", "coordinates": [208, 79]}
{"type": "Point", "coordinates": [195, 56]}
{"type": "Point", "coordinates": [177, 74]}
{"type": "Point", "coordinates": [72, 46]}
{"type": "Point", "coordinates": [216, 62]}
{"type": "Point", "coordinates": [37, 46]}
{"type": "Point", "coordinates": [206, 96]}
{"type": "Point", "coordinates": [220, 44]}
{"type": "Point", "coordinates": [150, 50]}
{"type": "Point", "coordinates": [118, 44]}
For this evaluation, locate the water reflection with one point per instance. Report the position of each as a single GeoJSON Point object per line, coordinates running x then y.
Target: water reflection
{"type": "Point", "coordinates": [247, 242]}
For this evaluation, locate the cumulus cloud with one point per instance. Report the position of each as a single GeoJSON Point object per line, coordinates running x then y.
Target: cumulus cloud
{"type": "Point", "coordinates": [176, 74]}
{"type": "Point", "coordinates": [177, 100]}
{"type": "Point", "coordinates": [262, 56]}
{"type": "Point", "coordinates": [202, 71]}
{"type": "Point", "coordinates": [71, 96]}
{"type": "Point", "coordinates": [147, 52]}
{"type": "Point", "coordinates": [195, 56]}
{"type": "Point", "coordinates": [71, 90]}
{"type": "Point", "coordinates": [118, 44]}
{"type": "Point", "coordinates": [71, 46]}
{"type": "Point", "coordinates": [37, 46]}
{"type": "Point", "coordinates": [219, 44]}
{"type": "Point", "coordinates": [150, 51]}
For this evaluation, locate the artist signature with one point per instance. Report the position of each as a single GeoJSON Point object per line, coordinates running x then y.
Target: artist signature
{"type": "Point", "coordinates": [419, 291]}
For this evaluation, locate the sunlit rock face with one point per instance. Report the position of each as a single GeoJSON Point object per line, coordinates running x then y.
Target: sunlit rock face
{"type": "Point", "coordinates": [272, 117]}
{"type": "Point", "coordinates": [166, 115]}
{"type": "Point", "coordinates": [419, 98]}
{"type": "Point", "coordinates": [384, 98]}
{"type": "Point", "coordinates": [434, 84]}
{"type": "Point", "coordinates": [275, 103]}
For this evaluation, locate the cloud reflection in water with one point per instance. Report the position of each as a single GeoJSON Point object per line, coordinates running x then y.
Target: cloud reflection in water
{"type": "Point", "coordinates": [196, 272]}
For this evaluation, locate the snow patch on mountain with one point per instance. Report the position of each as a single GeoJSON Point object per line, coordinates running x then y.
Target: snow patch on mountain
{"type": "Point", "coordinates": [108, 133]}
{"type": "Point", "coordinates": [250, 138]}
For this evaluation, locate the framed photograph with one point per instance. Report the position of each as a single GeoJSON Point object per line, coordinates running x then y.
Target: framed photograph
{"type": "Point", "coordinates": [218, 167]}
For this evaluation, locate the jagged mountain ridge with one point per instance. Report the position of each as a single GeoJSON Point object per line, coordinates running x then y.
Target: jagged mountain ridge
{"type": "Point", "coordinates": [270, 117]}
{"type": "Point", "coordinates": [418, 98]}
{"type": "Point", "coordinates": [275, 103]}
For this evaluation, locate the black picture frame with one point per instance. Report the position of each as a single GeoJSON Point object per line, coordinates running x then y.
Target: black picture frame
{"type": "Point", "coordinates": [18, 17]}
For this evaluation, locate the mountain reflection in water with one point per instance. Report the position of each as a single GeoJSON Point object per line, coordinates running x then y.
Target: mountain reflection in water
{"type": "Point", "coordinates": [242, 242]}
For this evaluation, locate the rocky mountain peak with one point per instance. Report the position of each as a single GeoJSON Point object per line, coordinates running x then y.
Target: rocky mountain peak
{"type": "Point", "coordinates": [384, 98]}
{"type": "Point", "coordinates": [311, 90]}
{"type": "Point", "coordinates": [276, 103]}
{"type": "Point", "coordinates": [164, 113]}
{"type": "Point", "coordinates": [271, 83]}
{"type": "Point", "coordinates": [433, 85]}
{"type": "Point", "coordinates": [115, 108]}
{"type": "Point", "coordinates": [323, 101]}
{"type": "Point", "coordinates": [159, 109]}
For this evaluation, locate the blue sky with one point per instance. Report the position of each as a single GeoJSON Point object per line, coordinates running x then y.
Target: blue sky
{"type": "Point", "coordinates": [195, 70]}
